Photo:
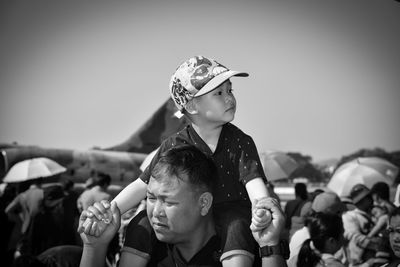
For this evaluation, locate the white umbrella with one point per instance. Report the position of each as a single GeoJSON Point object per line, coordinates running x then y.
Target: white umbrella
{"type": "Point", "coordinates": [364, 170]}
{"type": "Point", "coordinates": [33, 168]}
{"type": "Point", "coordinates": [277, 165]}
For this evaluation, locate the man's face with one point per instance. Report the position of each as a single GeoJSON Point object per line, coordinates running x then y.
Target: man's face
{"type": "Point", "coordinates": [219, 105]}
{"type": "Point", "coordinates": [173, 210]}
{"type": "Point", "coordinates": [394, 234]}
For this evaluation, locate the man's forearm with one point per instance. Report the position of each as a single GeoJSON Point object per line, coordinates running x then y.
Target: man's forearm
{"type": "Point", "coordinates": [274, 261]}
{"type": "Point", "coordinates": [93, 256]}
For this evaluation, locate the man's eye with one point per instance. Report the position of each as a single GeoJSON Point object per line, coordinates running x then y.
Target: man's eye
{"type": "Point", "coordinates": [151, 198]}
{"type": "Point", "coordinates": [230, 91]}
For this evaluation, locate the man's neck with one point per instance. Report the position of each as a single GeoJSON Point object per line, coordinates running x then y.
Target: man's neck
{"type": "Point", "coordinates": [209, 134]}
{"type": "Point", "coordinates": [197, 241]}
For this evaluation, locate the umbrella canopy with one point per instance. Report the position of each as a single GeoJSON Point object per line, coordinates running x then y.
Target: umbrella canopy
{"type": "Point", "coordinates": [367, 171]}
{"type": "Point", "coordinates": [278, 165]}
{"type": "Point", "coordinates": [31, 169]}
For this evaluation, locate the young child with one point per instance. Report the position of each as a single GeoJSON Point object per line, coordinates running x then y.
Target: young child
{"type": "Point", "coordinates": [326, 238]}
{"type": "Point", "coordinates": [380, 217]}
{"type": "Point", "coordinates": [202, 91]}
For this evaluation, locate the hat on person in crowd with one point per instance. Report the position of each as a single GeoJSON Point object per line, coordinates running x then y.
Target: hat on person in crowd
{"type": "Point", "coordinates": [358, 192]}
{"type": "Point", "coordinates": [198, 76]}
{"type": "Point", "coordinates": [328, 202]}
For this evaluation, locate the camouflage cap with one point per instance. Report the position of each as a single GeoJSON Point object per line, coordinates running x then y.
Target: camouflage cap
{"type": "Point", "coordinates": [197, 76]}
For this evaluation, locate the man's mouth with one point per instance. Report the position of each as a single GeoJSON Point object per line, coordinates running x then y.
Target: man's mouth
{"type": "Point", "coordinates": [159, 225]}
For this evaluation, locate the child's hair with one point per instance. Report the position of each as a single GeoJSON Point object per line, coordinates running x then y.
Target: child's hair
{"type": "Point", "coordinates": [321, 227]}
{"type": "Point", "coordinates": [382, 190]}
{"type": "Point", "coordinates": [187, 163]}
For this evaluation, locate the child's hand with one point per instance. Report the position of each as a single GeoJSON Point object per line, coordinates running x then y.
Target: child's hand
{"type": "Point", "coordinates": [261, 218]}
{"type": "Point", "coordinates": [96, 219]}
{"type": "Point", "coordinates": [269, 235]}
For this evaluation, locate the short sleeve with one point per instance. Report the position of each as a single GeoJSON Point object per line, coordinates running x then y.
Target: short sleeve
{"type": "Point", "coordinates": [250, 166]}
{"type": "Point", "coordinates": [139, 238]}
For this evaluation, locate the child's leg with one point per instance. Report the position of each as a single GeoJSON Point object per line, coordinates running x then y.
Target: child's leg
{"type": "Point", "coordinates": [233, 225]}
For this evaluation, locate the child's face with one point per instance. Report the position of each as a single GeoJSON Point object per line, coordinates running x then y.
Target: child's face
{"type": "Point", "coordinates": [377, 212]}
{"type": "Point", "coordinates": [219, 105]}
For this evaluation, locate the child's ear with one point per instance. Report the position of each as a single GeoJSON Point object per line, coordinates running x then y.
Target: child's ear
{"type": "Point", "coordinates": [191, 107]}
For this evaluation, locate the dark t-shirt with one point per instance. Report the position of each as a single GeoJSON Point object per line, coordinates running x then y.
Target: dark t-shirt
{"type": "Point", "coordinates": [166, 255]}
{"type": "Point", "coordinates": [235, 156]}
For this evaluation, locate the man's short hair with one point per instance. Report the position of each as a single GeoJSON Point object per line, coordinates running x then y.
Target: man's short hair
{"type": "Point", "coordinates": [395, 212]}
{"type": "Point", "coordinates": [189, 164]}
{"type": "Point", "coordinates": [300, 190]}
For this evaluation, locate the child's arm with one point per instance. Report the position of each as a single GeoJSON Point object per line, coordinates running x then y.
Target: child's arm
{"type": "Point", "coordinates": [131, 195]}
{"type": "Point", "coordinates": [256, 189]}
{"type": "Point", "coordinates": [380, 224]}
{"type": "Point", "coordinates": [128, 198]}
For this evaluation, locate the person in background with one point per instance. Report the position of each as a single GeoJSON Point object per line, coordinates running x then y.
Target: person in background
{"type": "Point", "coordinates": [293, 207]}
{"type": "Point", "coordinates": [96, 193]}
{"type": "Point", "coordinates": [380, 218]}
{"type": "Point", "coordinates": [394, 236]}
{"type": "Point", "coordinates": [326, 238]}
{"type": "Point", "coordinates": [298, 221]}
{"type": "Point", "coordinates": [24, 208]}
{"type": "Point", "coordinates": [357, 224]}
{"type": "Point", "coordinates": [326, 202]}
{"type": "Point", "coordinates": [380, 192]}
{"type": "Point", "coordinates": [71, 213]}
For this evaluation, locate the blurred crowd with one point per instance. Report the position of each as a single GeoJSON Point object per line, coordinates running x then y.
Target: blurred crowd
{"type": "Point", "coordinates": [362, 229]}
{"type": "Point", "coordinates": [39, 223]}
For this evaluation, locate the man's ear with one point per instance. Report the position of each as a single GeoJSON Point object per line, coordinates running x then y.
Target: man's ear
{"type": "Point", "coordinates": [205, 201]}
{"type": "Point", "coordinates": [190, 107]}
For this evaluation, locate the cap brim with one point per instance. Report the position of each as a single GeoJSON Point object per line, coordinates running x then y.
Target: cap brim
{"type": "Point", "coordinates": [218, 80]}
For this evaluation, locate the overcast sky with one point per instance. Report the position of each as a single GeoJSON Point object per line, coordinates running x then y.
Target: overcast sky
{"type": "Point", "coordinates": [324, 75]}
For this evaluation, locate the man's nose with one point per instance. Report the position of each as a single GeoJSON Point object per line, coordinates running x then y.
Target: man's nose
{"type": "Point", "coordinates": [158, 209]}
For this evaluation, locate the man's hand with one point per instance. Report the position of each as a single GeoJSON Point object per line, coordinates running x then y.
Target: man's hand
{"type": "Point", "coordinates": [99, 223]}
{"type": "Point", "coordinates": [267, 234]}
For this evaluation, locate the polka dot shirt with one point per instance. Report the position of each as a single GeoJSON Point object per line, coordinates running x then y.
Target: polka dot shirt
{"type": "Point", "coordinates": [235, 156]}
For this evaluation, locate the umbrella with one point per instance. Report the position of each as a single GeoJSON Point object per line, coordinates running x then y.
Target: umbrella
{"type": "Point", "coordinates": [278, 165]}
{"type": "Point", "coordinates": [365, 170]}
{"type": "Point", "coordinates": [31, 169]}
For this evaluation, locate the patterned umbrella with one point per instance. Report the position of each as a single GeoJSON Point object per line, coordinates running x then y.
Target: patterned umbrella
{"type": "Point", "coordinates": [364, 170]}
{"type": "Point", "coordinates": [278, 165]}
{"type": "Point", "coordinates": [33, 168]}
